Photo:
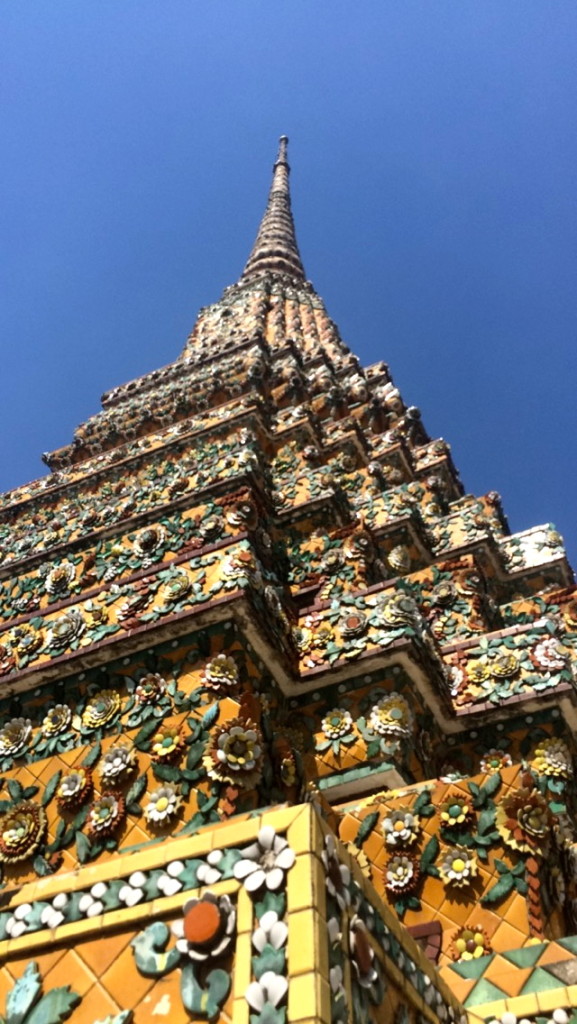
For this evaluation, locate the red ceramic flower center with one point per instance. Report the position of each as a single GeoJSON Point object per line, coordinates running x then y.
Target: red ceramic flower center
{"type": "Point", "coordinates": [202, 923]}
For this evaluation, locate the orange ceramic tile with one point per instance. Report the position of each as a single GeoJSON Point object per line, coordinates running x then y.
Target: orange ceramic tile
{"type": "Point", "coordinates": [70, 969]}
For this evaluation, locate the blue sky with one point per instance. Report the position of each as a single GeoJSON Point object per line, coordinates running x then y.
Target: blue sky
{"type": "Point", "coordinates": [434, 159]}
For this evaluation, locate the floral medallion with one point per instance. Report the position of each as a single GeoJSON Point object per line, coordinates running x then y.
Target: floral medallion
{"type": "Point", "coordinates": [458, 867]}
{"type": "Point", "coordinates": [470, 944]}
{"type": "Point", "coordinates": [494, 761]}
{"type": "Point", "coordinates": [117, 763]}
{"type": "Point", "coordinates": [221, 674]}
{"type": "Point", "coordinates": [74, 788]}
{"type": "Point", "coordinates": [206, 930]}
{"type": "Point", "coordinates": [167, 744]}
{"type": "Point", "coordinates": [455, 810]}
{"type": "Point", "coordinates": [101, 709]}
{"type": "Point", "coordinates": [163, 804]}
{"type": "Point", "coordinates": [337, 723]}
{"type": "Point", "coordinates": [59, 579]}
{"type": "Point", "coordinates": [337, 875]}
{"type": "Point", "coordinates": [21, 832]}
{"type": "Point", "coordinates": [66, 631]}
{"type": "Point", "coordinates": [105, 815]}
{"type": "Point", "coordinates": [391, 716]}
{"type": "Point", "coordinates": [401, 874]}
{"type": "Point", "coordinates": [524, 821]}
{"type": "Point", "coordinates": [15, 737]}
{"type": "Point", "coordinates": [150, 688]}
{"type": "Point", "coordinates": [401, 827]}
{"type": "Point", "coordinates": [236, 755]}
{"type": "Point", "coordinates": [57, 720]}
{"type": "Point", "coordinates": [553, 757]}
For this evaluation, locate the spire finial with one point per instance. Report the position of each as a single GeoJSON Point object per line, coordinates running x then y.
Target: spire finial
{"type": "Point", "coordinates": [276, 249]}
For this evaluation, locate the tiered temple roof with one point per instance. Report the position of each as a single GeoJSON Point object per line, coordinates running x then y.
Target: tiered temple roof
{"type": "Point", "coordinates": [287, 716]}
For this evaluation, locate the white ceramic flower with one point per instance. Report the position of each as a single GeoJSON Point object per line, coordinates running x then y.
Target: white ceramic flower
{"type": "Point", "coordinates": [90, 903]}
{"type": "Point", "coordinates": [163, 803]}
{"type": "Point", "coordinates": [337, 875]}
{"type": "Point", "coordinates": [549, 655]}
{"type": "Point", "coordinates": [401, 828]}
{"type": "Point", "coordinates": [53, 915]}
{"type": "Point", "coordinates": [270, 931]}
{"type": "Point", "coordinates": [265, 862]}
{"type": "Point", "coordinates": [270, 989]}
{"type": "Point", "coordinates": [169, 882]}
{"type": "Point", "coordinates": [16, 924]}
{"type": "Point", "coordinates": [209, 873]}
{"type": "Point", "coordinates": [118, 761]}
{"type": "Point", "coordinates": [132, 892]}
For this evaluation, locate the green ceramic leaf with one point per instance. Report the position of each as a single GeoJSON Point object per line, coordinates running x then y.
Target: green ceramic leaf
{"type": "Point", "coordinates": [92, 756]}
{"type": "Point", "coordinates": [366, 827]}
{"type": "Point", "coordinates": [136, 790]}
{"type": "Point", "coordinates": [498, 892]}
{"type": "Point", "coordinates": [54, 1007]}
{"type": "Point", "coordinates": [204, 1001]}
{"type": "Point", "coordinates": [50, 788]}
{"type": "Point", "coordinates": [144, 734]}
{"type": "Point", "coordinates": [23, 995]}
{"type": "Point", "coordinates": [429, 854]}
{"type": "Point", "coordinates": [149, 946]}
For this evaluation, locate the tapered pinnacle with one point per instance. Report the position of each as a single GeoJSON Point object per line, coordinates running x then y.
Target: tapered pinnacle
{"type": "Point", "coordinates": [276, 249]}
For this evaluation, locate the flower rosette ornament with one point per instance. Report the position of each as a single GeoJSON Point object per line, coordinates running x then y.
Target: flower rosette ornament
{"type": "Point", "coordinates": [74, 788]}
{"type": "Point", "coordinates": [458, 867]}
{"type": "Point", "coordinates": [549, 656]}
{"type": "Point", "coordinates": [494, 761]}
{"type": "Point", "coordinates": [337, 875]}
{"type": "Point", "coordinates": [221, 675]}
{"type": "Point", "coordinates": [167, 744]}
{"type": "Point", "coordinates": [362, 953]}
{"type": "Point", "coordinates": [26, 641]}
{"type": "Point", "coordinates": [455, 811]}
{"type": "Point", "coordinates": [105, 816]}
{"type": "Point", "coordinates": [401, 827]}
{"type": "Point", "coordinates": [470, 944]}
{"type": "Point", "coordinates": [22, 831]}
{"type": "Point", "coordinates": [117, 763]}
{"type": "Point", "coordinates": [101, 710]}
{"type": "Point", "coordinates": [265, 862]}
{"type": "Point", "coordinates": [236, 755]}
{"type": "Point", "coordinates": [59, 579]}
{"type": "Point", "coordinates": [56, 721]}
{"type": "Point", "coordinates": [553, 758]}
{"type": "Point", "coordinates": [66, 631]}
{"type": "Point", "coordinates": [206, 929]}
{"type": "Point", "coordinates": [504, 665]}
{"type": "Point", "coordinates": [175, 589]}
{"type": "Point", "coordinates": [148, 544]}
{"type": "Point", "coordinates": [163, 804]}
{"type": "Point", "coordinates": [391, 716]}
{"type": "Point", "coordinates": [352, 624]}
{"type": "Point", "coordinates": [337, 723]}
{"type": "Point", "coordinates": [524, 821]}
{"type": "Point", "coordinates": [401, 874]}
{"type": "Point", "coordinates": [150, 688]}
{"type": "Point", "coordinates": [15, 737]}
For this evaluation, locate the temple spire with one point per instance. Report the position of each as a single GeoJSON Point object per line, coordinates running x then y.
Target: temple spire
{"type": "Point", "coordinates": [276, 249]}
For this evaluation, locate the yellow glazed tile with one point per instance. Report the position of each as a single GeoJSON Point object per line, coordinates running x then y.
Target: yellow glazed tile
{"type": "Point", "coordinates": [307, 943]}
{"type": "Point", "coordinates": [242, 974]}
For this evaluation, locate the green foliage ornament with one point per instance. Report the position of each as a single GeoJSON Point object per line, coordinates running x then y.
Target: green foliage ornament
{"type": "Point", "coordinates": [25, 1003]}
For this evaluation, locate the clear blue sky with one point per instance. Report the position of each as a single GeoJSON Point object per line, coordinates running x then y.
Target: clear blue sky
{"type": "Point", "coordinates": [434, 160]}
